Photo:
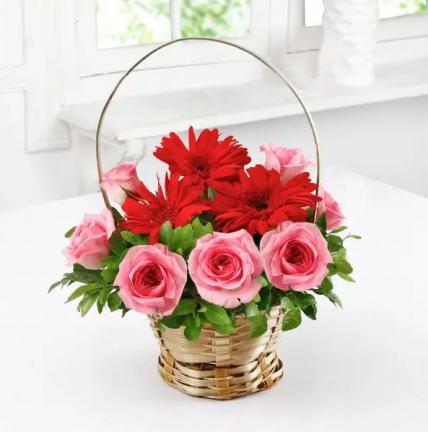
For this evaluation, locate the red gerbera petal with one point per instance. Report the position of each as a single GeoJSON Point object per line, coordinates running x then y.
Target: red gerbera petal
{"type": "Point", "coordinates": [179, 202]}
{"type": "Point", "coordinates": [259, 202]}
{"type": "Point", "coordinates": [207, 160]}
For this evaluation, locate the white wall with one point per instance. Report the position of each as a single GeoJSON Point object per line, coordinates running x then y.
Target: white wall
{"type": "Point", "coordinates": [38, 72]}
{"type": "Point", "coordinates": [387, 141]}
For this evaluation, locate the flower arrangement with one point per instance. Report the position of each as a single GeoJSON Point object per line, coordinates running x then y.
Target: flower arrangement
{"type": "Point", "coordinates": [216, 240]}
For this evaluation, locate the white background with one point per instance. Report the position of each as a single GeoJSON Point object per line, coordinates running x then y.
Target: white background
{"type": "Point", "coordinates": [361, 368]}
{"type": "Point", "coordinates": [40, 68]}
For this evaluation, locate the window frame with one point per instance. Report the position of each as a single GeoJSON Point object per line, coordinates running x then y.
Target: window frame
{"type": "Point", "coordinates": [301, 38]}
{"type": "Point", "coordinates": [92, 61]}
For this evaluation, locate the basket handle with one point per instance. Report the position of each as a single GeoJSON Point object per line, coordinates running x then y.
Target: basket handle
{"type": "Point", "coordinates": [269, 65]}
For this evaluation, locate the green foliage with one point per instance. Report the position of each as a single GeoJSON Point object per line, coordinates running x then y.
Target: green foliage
{"type": "Point", "coordinates": [300, 300]}
{"type": "Point", "coordinates": [83, 290]}
{"type": "Point", "coordinates": [183, 239]}
{"type": "Point", "coordinates": [117, 243]}
{"type": "Point", "coordinates": [216, 315]}
{"type": "Point", "coordinates": [87, 302]}
{"type": "Point", "coordinates": [211, 193]}
{"type": "Point", "coordinates": [134, 239]}
{"type": "Point", "coordinates": [321, 223]}
{"type": "Point", "coordinates": [251, 309]}
{"type": "Point", "coordinates": [70, 232]}
{"type": "Point", "coordinates": [172, 321]}
{"type": "Point", "coordinates": [263, 281]}
{"type": "Point", "coordinates": [96, 287]}
{"type": "Point", "coordinates": [259, 324]}
{"type": "Point", "coordinates": [185, 307]}
{"type": "Point", "coordinates": [199, 229]}
{"type": "Point", "coordinates": [192, 327]}
{"type": "Point", "coordinates": [292, 319]}
{"type": "Point", "coordinates": [334, 243]}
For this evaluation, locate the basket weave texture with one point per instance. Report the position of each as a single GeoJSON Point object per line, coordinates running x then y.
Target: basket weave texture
{"type": "Point", "coordinates": [221, 367]}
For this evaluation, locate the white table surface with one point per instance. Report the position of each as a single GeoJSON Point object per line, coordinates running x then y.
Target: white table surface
{"type": "Point", "coordinates": [361, 369]}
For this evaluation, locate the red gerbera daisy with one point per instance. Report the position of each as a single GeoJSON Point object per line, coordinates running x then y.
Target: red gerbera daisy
{"type": "Point", "coordinates": [259, 202]}
{"type": "Point", "coordinates": [178, 203]}
{"type": "Point", "coordinates": [207, 160]}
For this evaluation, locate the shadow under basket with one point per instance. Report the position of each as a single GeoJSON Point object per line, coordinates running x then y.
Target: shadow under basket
{"type": "Point", "coordinates": [221, 367]}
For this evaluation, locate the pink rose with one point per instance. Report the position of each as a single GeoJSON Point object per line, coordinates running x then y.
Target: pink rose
{"type": "Point", "coordinates": [123, 176]}
{"type": "Point", "coordinates": [333, 213]}
{"type": "Point", "coordinates": [89, 242]}
{"type": "Point", "coordinates": [287, 161]}
{"type": "Point", "coordinates": [151, 279]}
{"type": "Point", "coordinates": [295, 256]}
{"type": "Point", "coordinates": [225, 267]}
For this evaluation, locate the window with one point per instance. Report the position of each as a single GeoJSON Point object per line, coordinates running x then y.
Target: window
{"type": "Point", "coordinates": [138, 22]}
{"type": "Point", "coordinates": [117, 32]}
{"type": "Point", "coordinates": [400, 19]}
{"type": "Point", "coordinates": [387, 9]}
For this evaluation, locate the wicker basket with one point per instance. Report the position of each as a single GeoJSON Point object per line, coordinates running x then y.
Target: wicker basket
{"type": "Point", "coordinates": [216, 366]}
{"type": "Point", "coordinates": [221, 367]}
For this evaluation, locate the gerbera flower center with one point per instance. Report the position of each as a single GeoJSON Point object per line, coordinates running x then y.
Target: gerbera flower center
{"type": "Point", "coordinates": [165, 214]}
{"type": "Point", "coordinates": [259, 201]}
{"type": "Point", "coordinates": [200, 165]}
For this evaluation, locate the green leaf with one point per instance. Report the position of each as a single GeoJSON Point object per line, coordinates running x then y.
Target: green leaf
{"type": "Point", "coordinates": [305, 300]}
{"type": "Point", "coordinates": [185, 307]}
{"type": "Point", "coordinates": [257, 298]}
{"type": "Point", "coordinates": [326, 285]}
{"type": "Point", "coordinates": [224, 329]}
{"type": "Point", "coordinates": [259, 325]}
{"type": "Point", "coordinates": [70, 232]}
{"type": "Point", "coordinates": [334, 298]}
{"type": "Point", "coordinates": [82, 290]}
{"type": "Point", "coordinates": [166, 232]}
{"type": "Point", "coordinates": [116, 215]}
{"type": "Point", "coordinates": [341, 253]}
{"type": "Point", "coordinates": [114, 302]}
{"type": "Point", "coordinates": [331, 269]}
{"type": "Point", "coordinates": [321, 223]}
{"type": "Point", "coordinates": [182, 238]}
{"type": "Point", "coordinates": [269, 300]}
{"type": "Point", "coordinates": [87, 302]}
{"type": "Point", "coordinates": [102, 299]}
{"type": "Point", "coordinates": [112, 262]}
{"type": "Point", "coordinates": [109, 275]}
{"type": "Point", "coordinates": [83, 275]}
{"type": "Point", "coordinates": [345, 277]}
{"type": "Point", "coordinates": [338, 230]}
{"type": "Point", "coordinates": [262, 280]}
{"type": "Point", "coordinates": [354, 236]}
{"type": "Point", "coordinates": [117, 244]}
{"type": "Point", "coordinates": [134, 239]}
{"type": "Point", "coordinates": [211, 193]}
{"type": "Point", "coordinates": [251, 309]}
{"type": "Point", "coordinates": [173, 322]}
{"type": "Point", "coordinates": [292, 319]}
{"type": "Point", "coordinates": [310, 311]}
{"type": "Point", "coordinates": [200, 230]}
{"type": "Point", "coordinates": [334, 243]}
{"type": "Point", "coordinates": [287, 304]}
{"type": "Point", "coordinates": [192, 328]}
{"type": "Point", "coordinates": [343, 266]}
{"type": "Point", "coordinates": [216, 314]}
{"type": "Point", "coordinates": [60, 283]}
{"type": "Point", "coordinates": [310, 215]}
